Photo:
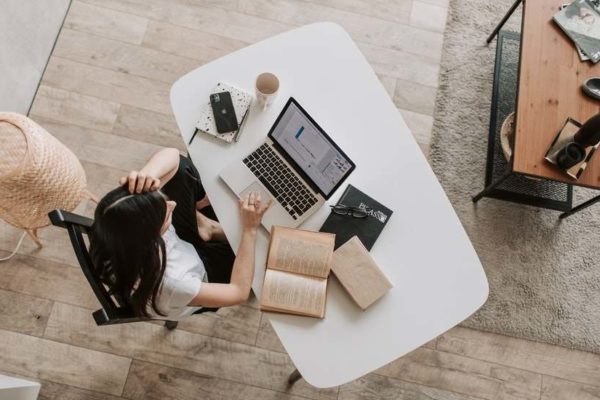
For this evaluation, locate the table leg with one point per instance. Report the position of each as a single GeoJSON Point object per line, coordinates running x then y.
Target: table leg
{"type": "Point", "coordinates": [491, 187]}
{"type": "Point", "coordinates": [503, 21]}
{"type": "Point", "coordinates": [580, 207]}
{"type": "Point", "coordinates": [294, 377]}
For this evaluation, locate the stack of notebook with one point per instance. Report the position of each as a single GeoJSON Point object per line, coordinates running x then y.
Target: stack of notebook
{"type": "Point", "coordinates": [241, 104]}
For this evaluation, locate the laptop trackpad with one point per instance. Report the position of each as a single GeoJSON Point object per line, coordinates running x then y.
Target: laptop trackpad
{"type": "Point", "coordinates": [257, 187]}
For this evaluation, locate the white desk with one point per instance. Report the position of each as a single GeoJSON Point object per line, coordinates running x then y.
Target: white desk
{"type": "Point", "coordinates": [18, 389]}
{"type": "Point", "coordinates": [438, 279]}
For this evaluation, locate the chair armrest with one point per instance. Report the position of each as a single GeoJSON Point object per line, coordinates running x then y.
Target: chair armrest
{"type": "Point", "coordinates": [64, 218]}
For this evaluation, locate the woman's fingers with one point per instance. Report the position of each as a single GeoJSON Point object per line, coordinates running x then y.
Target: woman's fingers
{"type": "Point", "coordinates": [251, 201]}
{"type": "Point", "coordinates": [148, 184]}
{"type": "Point", "coordinates": [257, 201]}
{"type": "Point", "coordinates": [131, 178]}
{"type": "Point", "coordinates": [141, 180]}
{"type": "Point", "coordinates": [245, 200]}
{"type": "Point", "coordinates": [155, 185]}
{"type": "Point", "coordinates": [139, 183]}
{"type": "Point", "coordinates": [266, 207]}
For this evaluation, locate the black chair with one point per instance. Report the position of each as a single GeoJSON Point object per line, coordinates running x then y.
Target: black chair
{"type": "Point", "coordinates": [112, 312]}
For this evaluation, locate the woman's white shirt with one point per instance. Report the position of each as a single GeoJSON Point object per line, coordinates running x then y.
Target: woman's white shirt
{"type": "Point", "coordinates": [184, 274]}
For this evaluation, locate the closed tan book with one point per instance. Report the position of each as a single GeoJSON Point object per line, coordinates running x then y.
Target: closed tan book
{"type": "Point", "coordinates": [358, 273]}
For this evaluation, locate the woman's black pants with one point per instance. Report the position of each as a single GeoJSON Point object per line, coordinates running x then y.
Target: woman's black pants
{"type": "Point", "coordinates": [185, 188]}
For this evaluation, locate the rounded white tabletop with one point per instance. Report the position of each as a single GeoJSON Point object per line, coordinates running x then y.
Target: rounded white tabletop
{"type": "Point", "coordinates": [424, 250]}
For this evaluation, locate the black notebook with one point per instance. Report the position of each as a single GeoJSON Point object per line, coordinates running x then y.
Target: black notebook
{"type": "Point", "coordinates": [367, 229]}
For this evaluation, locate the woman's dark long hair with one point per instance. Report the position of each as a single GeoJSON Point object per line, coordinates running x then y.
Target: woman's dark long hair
{"type": "Point", "coordinates": [127, 249]}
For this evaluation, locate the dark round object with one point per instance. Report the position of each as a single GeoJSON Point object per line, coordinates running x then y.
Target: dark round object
{"type": "Point", "coordinates": [570, 155]}
{"type": "Point", "coordinates": [591, 87]}
{"type": "Point", "coordinates": [589, 133]}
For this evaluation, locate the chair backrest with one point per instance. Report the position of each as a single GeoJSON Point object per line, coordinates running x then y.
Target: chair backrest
{"type": "Point", "coordinates": [77, 226]}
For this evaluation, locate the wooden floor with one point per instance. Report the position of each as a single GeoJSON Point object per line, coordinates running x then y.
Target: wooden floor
{"type": "Point", "coordinates": [105, 95]}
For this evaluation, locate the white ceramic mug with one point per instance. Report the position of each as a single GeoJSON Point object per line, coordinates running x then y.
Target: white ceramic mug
{"type": "Point", "coordinates": [267, 86]}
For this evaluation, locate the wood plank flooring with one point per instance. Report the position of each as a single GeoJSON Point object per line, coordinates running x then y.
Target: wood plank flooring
{"type": "Point", "coordinates": [105, 95]}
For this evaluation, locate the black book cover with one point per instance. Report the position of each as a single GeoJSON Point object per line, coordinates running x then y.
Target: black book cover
{"type": "Point", "coordinates": [367, 229]}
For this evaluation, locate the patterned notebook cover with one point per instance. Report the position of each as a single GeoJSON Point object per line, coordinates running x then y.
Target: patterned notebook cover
{"type": "Point", "coordinates": [241, 103]}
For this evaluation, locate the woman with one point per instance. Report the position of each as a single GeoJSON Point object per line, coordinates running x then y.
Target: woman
{"type": "Point", "coordinates": [159, 254]}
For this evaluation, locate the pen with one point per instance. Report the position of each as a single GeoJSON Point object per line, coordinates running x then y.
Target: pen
{"type": "Point", "coordinates": [193, 136]}
{"type": "Point", "coordinates": [237, 134]}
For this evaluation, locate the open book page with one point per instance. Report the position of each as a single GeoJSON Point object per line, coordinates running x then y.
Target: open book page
{"type": "Point", "coordinates": [301, 252]}
{"type": "Point", "coordinates": [294, 293]}
{"type": "Point", "coordinates": [359, 274]}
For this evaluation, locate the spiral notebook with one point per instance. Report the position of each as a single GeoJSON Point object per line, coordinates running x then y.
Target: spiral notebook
{"type": "Point", "coordinates": [241, 103]}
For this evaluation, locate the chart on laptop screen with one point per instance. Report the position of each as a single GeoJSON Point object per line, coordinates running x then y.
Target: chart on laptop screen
{"type": "Point", "coordinates": [312, 151]}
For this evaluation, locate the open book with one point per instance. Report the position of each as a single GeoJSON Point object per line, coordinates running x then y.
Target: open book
{"type": "Point", "coordinates": [298, 265]}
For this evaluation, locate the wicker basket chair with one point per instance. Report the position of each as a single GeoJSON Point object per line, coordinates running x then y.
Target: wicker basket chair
{"type": "Point", "coordinates": [38, 174]}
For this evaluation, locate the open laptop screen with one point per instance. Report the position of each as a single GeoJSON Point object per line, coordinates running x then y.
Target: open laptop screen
{"type": "Point", "coordinates": [313, 151]}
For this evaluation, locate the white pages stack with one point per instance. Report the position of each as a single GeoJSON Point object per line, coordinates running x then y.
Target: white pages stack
{"type": "Point", "coordinates": [241, 103]}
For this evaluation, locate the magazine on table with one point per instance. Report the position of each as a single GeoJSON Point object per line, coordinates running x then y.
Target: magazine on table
{"type": "Point", "coordinates": [580, 20]}
{"type": "Point", "coordinates": [580, 53]}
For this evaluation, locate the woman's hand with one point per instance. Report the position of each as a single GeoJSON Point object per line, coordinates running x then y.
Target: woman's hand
{"type": "Point", "coordinates": [242, 274]}
{"type": "Point", "coordinates": [252, 211]}
{"type": "Point", "coordinates": [139, 182]}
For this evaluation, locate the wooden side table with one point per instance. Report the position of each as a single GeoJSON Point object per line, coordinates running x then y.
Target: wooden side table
{"type": "Point", "coordinates": [549, 91]}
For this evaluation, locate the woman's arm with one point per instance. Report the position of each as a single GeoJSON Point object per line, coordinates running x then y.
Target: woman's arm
{"type": "Point", "coordinates": [159, 169]}
{"type": "Point", "coordinates": [238, 290]}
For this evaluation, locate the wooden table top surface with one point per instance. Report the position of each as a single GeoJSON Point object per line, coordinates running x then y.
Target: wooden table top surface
{"type": "Point", "coordinates": [550, 91]}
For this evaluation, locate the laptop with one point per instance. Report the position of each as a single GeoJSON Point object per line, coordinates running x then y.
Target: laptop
{"type": "Point", "coordinates": [298, 166]}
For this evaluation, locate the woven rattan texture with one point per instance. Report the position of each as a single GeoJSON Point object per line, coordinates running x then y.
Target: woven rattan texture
{"type": "Point", "coordinates": [14, 147]}
{"type": "Point", "coordinates": [37, 173]}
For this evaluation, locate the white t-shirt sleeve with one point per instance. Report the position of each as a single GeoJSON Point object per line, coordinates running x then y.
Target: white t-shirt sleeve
{"type": "Point", "coordinates": [178, 293]}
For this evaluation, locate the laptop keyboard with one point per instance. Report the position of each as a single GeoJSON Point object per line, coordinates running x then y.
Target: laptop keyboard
{"type": "Point", "coordinates": [279, 179]}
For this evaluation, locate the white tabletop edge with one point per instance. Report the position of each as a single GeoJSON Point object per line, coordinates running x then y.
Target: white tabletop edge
{"type": "Point", "coordinates": [292, 330]}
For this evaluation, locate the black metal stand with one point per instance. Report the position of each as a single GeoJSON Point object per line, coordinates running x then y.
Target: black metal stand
{"type": "Point", "coordinates": [487, 190]}
{"type": "Point", "coordinates": [501, 181]}
{"type": "Point", "coordinates": [294, 377]}
{"type": "Point", "coordinates": [503, 21]}
{"type": "Point", "coordinates": [580, 207]}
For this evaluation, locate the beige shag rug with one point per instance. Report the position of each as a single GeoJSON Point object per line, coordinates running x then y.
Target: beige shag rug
{"type": "Point", "coordinates": [544, 274]}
